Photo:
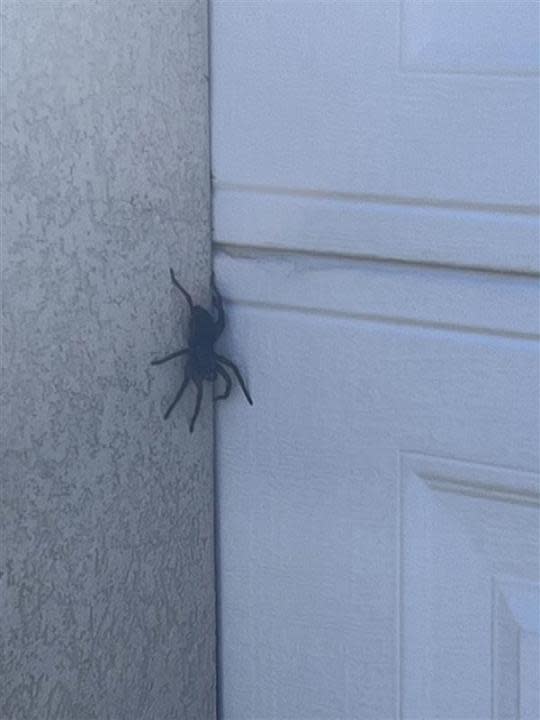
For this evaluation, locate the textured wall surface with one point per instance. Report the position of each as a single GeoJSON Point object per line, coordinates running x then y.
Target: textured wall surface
{"type": "Point", "coordinates": [107, 536]}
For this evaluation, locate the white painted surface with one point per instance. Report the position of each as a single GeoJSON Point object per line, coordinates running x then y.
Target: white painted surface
{"type": "Point", "coordinates": [378, 506]}
{"type": "Point", "coordinates": [464, 527]}
{"type": "Point", "coordinates": [480, 37]}
{"type": "Point", "coordinates": [333, 224]}
{"type": "Point", "coordinates": [311, 106]}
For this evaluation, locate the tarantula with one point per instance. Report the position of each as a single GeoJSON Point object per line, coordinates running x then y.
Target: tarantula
{"type": "Point", "coordinates": [203, 363]}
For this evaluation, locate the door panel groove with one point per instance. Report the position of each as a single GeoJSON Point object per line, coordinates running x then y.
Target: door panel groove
{"type": "Point", "coordinates": [399, 200]}
{"type": "Point", "coordinates": [464, 302]}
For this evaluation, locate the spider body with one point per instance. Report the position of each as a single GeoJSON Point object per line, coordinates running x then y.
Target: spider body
{"type": "Point", "coordinates": [203, 363]}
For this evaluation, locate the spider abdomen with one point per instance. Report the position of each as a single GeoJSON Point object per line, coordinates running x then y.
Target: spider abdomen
{"type": "Point", "coordinates": [202, 361]}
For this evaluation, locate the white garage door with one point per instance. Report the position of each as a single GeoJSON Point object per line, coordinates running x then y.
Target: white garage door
{"type": "Point", "coordinates": [376, 191]}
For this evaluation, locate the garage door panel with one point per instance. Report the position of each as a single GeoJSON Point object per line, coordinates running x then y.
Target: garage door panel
{"type": "Point", "coordinates": [341, 224]}
{"type": "Point", "coordinates": [469, 532]}
{"type": "Point", "coordinates": [376, 225]}
{"type": "Point", "coordinates": [360, 428]}
{"type": "Point", "coordinates": [333, 106]}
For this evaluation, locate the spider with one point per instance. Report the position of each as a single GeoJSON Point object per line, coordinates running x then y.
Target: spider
{"type": "Point", "coordinates": [203, 363]}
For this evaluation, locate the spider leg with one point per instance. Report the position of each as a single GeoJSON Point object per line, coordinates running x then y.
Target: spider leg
{"type": "Point", "coordinates": [197, 405]}
{"type": "Point", "coordinates": [177, 398]}
{"type": "Point", "coordinates": [237, 373]}
{"type": "Point", "coordinates": [217, 302]}
{"type": "Point", "coordinates": [170, 357]}
{"type": "Point", "coordinates": [228, 384]}
{"type": "Point", "coordinates": [182, 290]}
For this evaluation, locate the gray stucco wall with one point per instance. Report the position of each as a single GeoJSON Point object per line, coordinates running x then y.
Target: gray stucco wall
{"type": "Point", "coordinates": [107, 535]}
